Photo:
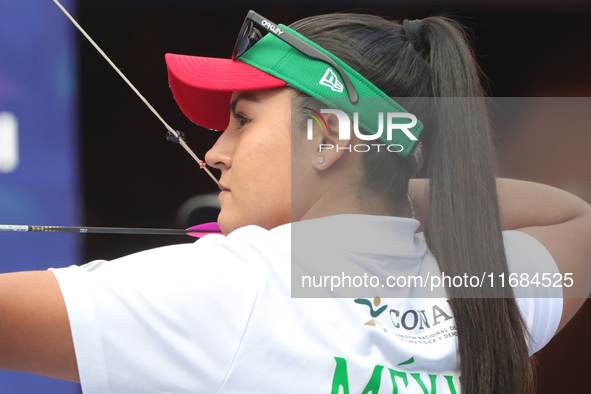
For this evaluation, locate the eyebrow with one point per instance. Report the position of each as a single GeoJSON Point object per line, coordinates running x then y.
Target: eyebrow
{"type": "Point", "coordinates": [245, 96]}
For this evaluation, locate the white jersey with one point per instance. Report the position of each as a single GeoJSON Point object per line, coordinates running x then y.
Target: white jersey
{"type": "Point", "coordinates": [217, 316]}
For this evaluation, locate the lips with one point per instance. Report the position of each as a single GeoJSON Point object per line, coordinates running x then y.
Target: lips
{"type": "Point", "coordinates": [223, 191]}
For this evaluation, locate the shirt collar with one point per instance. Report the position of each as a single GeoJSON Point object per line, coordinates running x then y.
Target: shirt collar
{"type": "Point", "coordinates": [371, 234]}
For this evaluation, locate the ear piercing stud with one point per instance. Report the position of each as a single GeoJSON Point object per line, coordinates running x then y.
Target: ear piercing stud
{"type": "Point", "coordinates": [320, 160]}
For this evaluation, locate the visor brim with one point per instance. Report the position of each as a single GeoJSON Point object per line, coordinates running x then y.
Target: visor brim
{"type": "Point", "coordinates": [203, 86]}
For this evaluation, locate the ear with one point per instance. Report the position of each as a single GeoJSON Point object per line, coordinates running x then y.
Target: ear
{"type": "Point", "coordinates": [329, 148]}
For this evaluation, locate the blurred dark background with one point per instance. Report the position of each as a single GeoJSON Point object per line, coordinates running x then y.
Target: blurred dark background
{"type": "Point", "coordinates": [133, 177]}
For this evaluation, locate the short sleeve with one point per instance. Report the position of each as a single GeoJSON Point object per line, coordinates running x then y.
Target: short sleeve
{"type": "Point", "coordinates": [167, 320]}
{"type": "Point", "coordinates": [540, 302]}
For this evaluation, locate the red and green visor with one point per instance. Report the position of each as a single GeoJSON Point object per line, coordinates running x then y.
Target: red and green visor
{"type": "Point", "coordinates": [203, 87]}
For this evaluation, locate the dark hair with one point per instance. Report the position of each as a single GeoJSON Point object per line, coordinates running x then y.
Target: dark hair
{"type": "Point", "coordinates": [463, 228]}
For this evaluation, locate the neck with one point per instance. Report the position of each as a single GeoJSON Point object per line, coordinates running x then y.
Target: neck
{"type": "Point", "coordinates": [343, 200]}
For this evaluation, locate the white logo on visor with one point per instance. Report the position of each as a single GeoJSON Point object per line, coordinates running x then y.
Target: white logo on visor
{"type": "Point", "coordinates": [331, 80]}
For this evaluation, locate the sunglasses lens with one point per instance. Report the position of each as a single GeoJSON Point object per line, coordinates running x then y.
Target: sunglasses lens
{"type": "Point", "coordinates": [247, 39]}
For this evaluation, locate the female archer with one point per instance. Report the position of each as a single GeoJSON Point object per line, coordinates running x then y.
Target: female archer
{"type": "Point", "coordinates": [218, 315]}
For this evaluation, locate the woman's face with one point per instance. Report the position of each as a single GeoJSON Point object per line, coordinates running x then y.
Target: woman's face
{"type": "Point", "coordinates": [254, 156]}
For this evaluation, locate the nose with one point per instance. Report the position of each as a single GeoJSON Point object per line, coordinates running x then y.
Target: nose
{"type": "Point", "coordinates": [221, 153]}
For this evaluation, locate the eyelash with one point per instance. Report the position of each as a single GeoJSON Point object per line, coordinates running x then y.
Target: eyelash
{"type": "Point", "coordinates": [242, 120]}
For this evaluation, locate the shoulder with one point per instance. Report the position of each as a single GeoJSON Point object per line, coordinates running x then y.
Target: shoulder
{"type": "Point", "coordinates": [214, 265]}
{"type": "Point", "coordinates": [191, 300]}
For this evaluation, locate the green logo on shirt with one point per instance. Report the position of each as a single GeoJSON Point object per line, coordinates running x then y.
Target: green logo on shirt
{"type": "Point", "coordinates": [376, 302]}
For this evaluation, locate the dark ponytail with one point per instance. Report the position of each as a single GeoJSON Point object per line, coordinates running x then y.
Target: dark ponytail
{"type": "Point", "coordinates": [463, 228]}
{"type": "Point", "coordinates": [431, 58]}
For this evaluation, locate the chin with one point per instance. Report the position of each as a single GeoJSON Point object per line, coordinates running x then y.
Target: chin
{"type": "Point", "coordinates": [226, 226]}
{"type": "Point", "coordinates": [229, 223]}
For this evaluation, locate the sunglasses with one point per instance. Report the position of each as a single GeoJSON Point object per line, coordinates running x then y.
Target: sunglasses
{"type": "Point", "coordinates": [249, 36]}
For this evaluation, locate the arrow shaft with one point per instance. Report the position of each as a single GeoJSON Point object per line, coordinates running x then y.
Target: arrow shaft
{"type": "Point", "coordinates": [95, 230]}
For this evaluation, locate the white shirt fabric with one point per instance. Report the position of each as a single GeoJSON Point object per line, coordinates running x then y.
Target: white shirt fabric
{"type": "Point", "coordinates": [217, 316]}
